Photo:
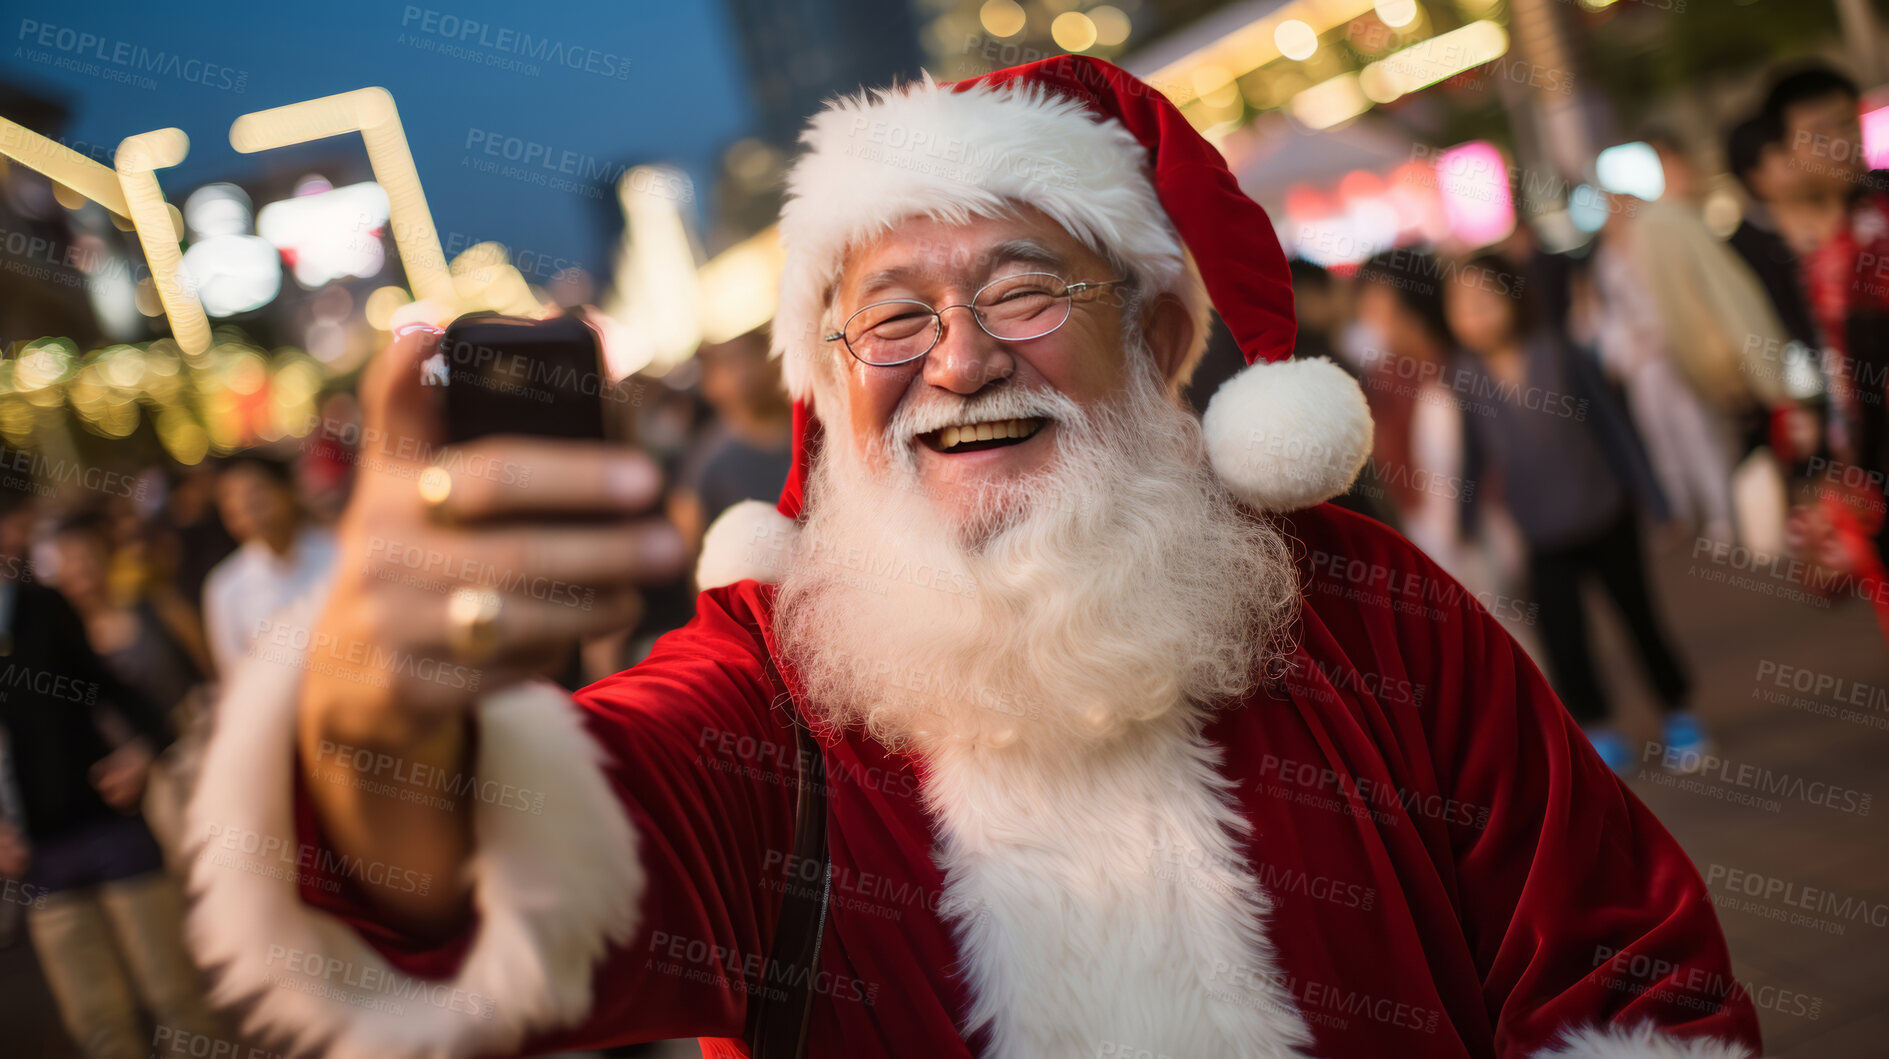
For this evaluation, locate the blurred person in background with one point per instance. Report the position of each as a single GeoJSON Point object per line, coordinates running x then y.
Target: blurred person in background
{"type": "Point", "coordinates": [747, 450]}
{"type": "Point", "coordinates": [281, 556]}
{"type": "Point", "coordinates": [1424, 459]}
{"type": "Point", "coordinates": [106, 918]}
{"type": "Point", "coordinates": [138, 620]}
{"type": "Point", "coordinates": [150, 637]}
{"type": "Point", "coordinates": [192, 521]}
{"type": "Point", "coordinates": [1559, 458]}
{"type": "Point", "coordinates": [1686, 331]}
{"type": "Point", "coordinates": [1759, 159]}
{"type": "Point", "coordinates": [1319, 300]}
{"type": "Point", "coordinates": [1841, 212]}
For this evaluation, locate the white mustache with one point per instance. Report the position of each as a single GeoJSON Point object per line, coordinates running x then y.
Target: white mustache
{"type": "Point", "coordinates": [922, 416]}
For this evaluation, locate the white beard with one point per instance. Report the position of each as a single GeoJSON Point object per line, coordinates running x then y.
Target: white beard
{"type": "Point", "coordinates": [1050, 653]}
{"type": "Point", "coordinates": [1060, 610]}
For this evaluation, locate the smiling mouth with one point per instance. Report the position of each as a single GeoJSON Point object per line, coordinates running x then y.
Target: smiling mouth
{"type": "Point", "coordinates": [974, 437]}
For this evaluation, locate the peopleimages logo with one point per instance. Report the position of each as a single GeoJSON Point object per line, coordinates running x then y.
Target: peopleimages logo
{"type": "Point", "coordinates": [511, 42]}
{"type": "Point", "coordinates": [129, 59]}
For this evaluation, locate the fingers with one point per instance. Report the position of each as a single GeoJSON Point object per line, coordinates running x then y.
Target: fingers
{"type": "Point", "coordinates": [533, 637]}
{"type": "Point", "coordinates": [515, 476]}
{"type": "Point", "coordinates": [394, 404]}
{"type": "Point", "coordinates": [534, 630]}
{"type": "Point", "coordinates": [545, 560]}
{"type": "Point", "coordinates": [645, 552]}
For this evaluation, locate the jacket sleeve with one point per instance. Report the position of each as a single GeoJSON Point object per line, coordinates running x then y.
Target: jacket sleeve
{"type": "Point", "coordinates": [619, 835]}
{"type": "Point", "coordinates": [1592, 931]}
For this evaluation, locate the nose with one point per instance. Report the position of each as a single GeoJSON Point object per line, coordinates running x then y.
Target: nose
{"type": "Point", "coordinates": [966, 358]}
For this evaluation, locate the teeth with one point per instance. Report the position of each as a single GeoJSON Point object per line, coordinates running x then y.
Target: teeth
{"type": "Point", "coordinates": [951, 437]}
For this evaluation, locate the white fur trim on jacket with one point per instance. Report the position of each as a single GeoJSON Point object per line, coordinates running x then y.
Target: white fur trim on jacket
{"type": "Point", "coordinates": [1641, 1042]}
{"type": "Point", "coordinates": [872, 160]}
{"type": "Point", "coordinates": [750, 540]}
{"type": "Point", "coordinates": [1288, 435]}
{"type": "Point", "coordinates": [555, 878]}
{"type": "Point", "coordinates": [1161, 950]}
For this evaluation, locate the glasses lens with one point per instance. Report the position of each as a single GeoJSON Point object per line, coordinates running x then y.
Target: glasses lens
{"type": "Point", "coordinates": [1027, 306]}
{"type": "Point", "coordinates": [890, 332]}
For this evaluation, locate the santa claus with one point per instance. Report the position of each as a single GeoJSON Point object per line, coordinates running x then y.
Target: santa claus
{"type": "Point", "coordinates": [1041, 718]}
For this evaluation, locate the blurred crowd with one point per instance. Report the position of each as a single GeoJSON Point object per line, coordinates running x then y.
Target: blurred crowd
{"type": "Point", "coordinates": [1543, 420]}
{"type": "Point", "coordinates": [123, 608]}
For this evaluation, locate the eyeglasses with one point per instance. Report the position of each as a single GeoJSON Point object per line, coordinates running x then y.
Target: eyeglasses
{"type": "Point", "coordinates": [1012, 309]}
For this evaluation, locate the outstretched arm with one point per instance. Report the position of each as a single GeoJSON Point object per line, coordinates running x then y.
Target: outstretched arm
{"type": "Point", "coordinates": [618, 839]}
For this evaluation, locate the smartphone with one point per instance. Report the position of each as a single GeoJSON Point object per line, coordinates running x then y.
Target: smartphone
{"type": "Point", "coordinates": [506, 375]}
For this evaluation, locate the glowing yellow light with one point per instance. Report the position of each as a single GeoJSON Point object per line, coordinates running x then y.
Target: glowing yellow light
{"type": "Point", "coordinates": [66, 167]}
{"type": "Point", "coordinates": [1295, 40]}
{"type": "Point", "coordinates": [1209, 79]}
{"type": "Point", "coordinates": [1073, 31]}
{"type": "Point", "coordinates": [655, 296]}
{"type": "Point", "coordinates": [116, 419]}
{"type": "Point", "coordinates": [1395, 13]}
{"type": "Point", "coordinates": [246, 375]}
{"type": "Point", "coordinates": [739, 288]}
{"type": "Point", "coordinates": [1379, 85]}
{"type": "Point", "coordinates": [1223, 97]}
{"type": "Point", "coordinates": [295, 381]}
{"type": "Point", "coordinates": [1111, 25]}
{"type": "Point", "coordinates": [137, 160]}
{"type": "Point", "coordinates": [41, 366]}
{"type": "Point", "coordinates": [182, 437]}
{"type": "Point", "coordinates": [124, 368]}
{"type": "Point", "coordinates": [370, 112]}
{"type": "Point", "coordinates": [1425, 63]}
{"type": "Point", "coordinates": [1330, 102]}
{"type": "Point", "coordinates": [1004, 18]}
{"type": "Point", "coordinates": [1249, 47]}
{"type": "Point", "coordinates": [381, 305]}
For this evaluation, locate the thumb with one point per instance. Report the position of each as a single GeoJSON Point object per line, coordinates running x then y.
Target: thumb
{"type": "Point", "coordinates": [400, 415]}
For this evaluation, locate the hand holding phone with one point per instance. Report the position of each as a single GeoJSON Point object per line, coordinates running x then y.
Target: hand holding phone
{"type": "Point", "coordinates": [481, 469]}
{"type": "Point", "coordinates": [484, 493]}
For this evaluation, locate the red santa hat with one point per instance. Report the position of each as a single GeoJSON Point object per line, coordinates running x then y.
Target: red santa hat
{"type": "Point", "coordinates": [1114, 162]}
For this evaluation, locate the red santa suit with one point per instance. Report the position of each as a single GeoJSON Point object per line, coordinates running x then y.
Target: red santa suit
{"type": "Point", "coordinates": [1400, 846]}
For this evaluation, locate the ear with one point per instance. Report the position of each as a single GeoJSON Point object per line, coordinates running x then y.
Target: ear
{"type": "Point", "coordinates": [1169, 330]}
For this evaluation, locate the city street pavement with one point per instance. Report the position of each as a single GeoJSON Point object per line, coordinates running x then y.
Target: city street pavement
{"type": "Point", "coordinates": [1789, 827]}
{"type": "Point", "coordinates": [1788, 824]}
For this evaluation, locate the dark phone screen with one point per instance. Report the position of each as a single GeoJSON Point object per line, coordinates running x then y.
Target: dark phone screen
{"type": "Point", "coordinates": [504, 375]}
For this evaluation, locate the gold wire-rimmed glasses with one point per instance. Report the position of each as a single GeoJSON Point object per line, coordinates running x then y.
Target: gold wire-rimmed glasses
{"type": "Point", "coordinates": [1014, 308]}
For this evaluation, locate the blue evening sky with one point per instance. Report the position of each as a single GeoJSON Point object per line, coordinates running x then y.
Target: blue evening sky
{"type": "Point", "coordinates": [682, 99]}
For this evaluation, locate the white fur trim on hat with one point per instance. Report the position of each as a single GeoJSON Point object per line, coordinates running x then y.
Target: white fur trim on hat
{"type": "Point", "coordinates": [1641, 1042]}
{"type": "Point", "coordinates": [306, 978]}
{"type": "Point", "coordinates": [750, 540]}
{"type": "Point", "coordinates": [872, 160]}
{"type": "Point", "coordinates": [1288, 435]}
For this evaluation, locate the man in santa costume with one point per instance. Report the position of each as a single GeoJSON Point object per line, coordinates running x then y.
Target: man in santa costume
{"type": "Point", "coordinates": [1131, 745]}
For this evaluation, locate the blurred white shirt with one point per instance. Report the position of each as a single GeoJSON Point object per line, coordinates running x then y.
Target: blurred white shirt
{"type": "Point", "coordinates": [252, 584]}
